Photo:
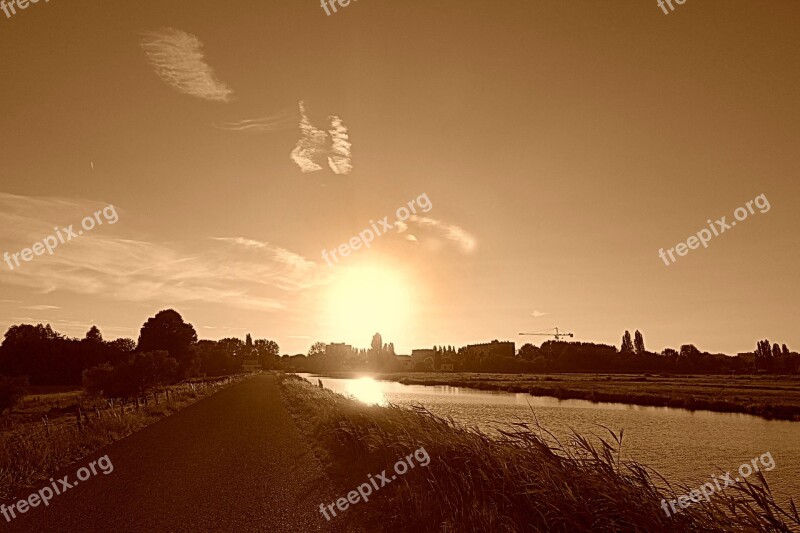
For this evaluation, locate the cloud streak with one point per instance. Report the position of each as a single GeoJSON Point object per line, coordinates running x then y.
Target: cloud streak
{"type": "Point", "coordinates": [457, 235]}
{"type": "Point", "coordinates": [229, 271]}
{"type": "Point", "coordinates": [279, 121]}
{"type": "Point", "coordinates": [178, 59]}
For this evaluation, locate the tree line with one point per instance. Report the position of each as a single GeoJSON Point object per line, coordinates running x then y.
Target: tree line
{"type": "Point", "coordinates": [554, 356]}
{"type": "Point", "coordinates": [167, 351]}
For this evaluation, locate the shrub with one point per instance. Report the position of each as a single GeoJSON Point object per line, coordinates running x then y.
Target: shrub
{"type": "Point", "coordinates": [11, 391]}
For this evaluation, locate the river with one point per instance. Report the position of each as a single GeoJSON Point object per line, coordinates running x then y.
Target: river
{"type": "Point", "coordinates": [684, 446]}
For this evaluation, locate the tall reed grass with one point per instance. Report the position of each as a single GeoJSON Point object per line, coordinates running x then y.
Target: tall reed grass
{"type": "Point", "coordinates": [522, 480]}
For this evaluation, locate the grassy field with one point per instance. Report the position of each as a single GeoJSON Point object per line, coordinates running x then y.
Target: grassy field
{"type": "Point", "coordinates": [33, 450]}
{"type": "Point", "coordinates": [772, 397]}
{"type": "Point", "coordinates": [519, 481]}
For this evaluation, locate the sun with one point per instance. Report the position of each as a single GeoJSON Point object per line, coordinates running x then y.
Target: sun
{"type": "Point", "coordinates": [367, 299]}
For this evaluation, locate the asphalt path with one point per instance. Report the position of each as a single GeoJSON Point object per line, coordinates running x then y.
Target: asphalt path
{"type": "Point", "coordinates": [232, 462]}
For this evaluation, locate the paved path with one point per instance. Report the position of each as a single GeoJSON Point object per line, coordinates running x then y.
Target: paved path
{"type": "Point", "coordinates": [233, 462]}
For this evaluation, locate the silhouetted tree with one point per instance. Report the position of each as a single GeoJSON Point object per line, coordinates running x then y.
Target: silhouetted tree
{"type": "Point", "coordinates": [167, 331]}
{"type": "Point", "coordinates": [318, 348]}
{"type": "Point", "coordinates": [143, 371]}
{"type": "Point", "coordinates": [94, 335]}
{"type": "Point", "coordinates": [528, 351]}
{"type": "Point", "coordinates": [690, 351]}
{"type": "Point", "coordinates": [627, 344]}
{"type": "Point", "coordinates": [638, 343]}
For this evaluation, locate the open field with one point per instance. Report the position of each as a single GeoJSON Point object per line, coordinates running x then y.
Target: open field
{"type": "Point", "coordinates": [519, 481]}
{"type": "Point", "coordinates": [771, 397]}
{"type": "Point", "coordinates": [45, 433]}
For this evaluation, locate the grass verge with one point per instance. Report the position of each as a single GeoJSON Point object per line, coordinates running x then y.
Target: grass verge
{"type": "Point", "coordinates": [523, 480]}
{"type": "Point", "coordinates": [29, 456]}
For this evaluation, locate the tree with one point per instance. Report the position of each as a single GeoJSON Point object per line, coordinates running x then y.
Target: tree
{"type": "Point", "coordinates": [776, 350]}
{"type": "Point", "coordinates": [528, 351]}
{"type": "Point", "coordinates": [124, 344]}
{"type": "Point", "coordinates": [638, 343]}
{"type": "Point", "coordinates": [94, 335]}
{"type": "Point", "coordinates": [627, 344]}
{"type": "Point", "coordinates": [377, 343]}
{"type": "Point", "coordinates": [785, 350]}
{"type": "Point", "coordinates": [248, 341]}
{"type": "Point", "coordinates": [690, 351]}
{"type": "Point", "coordinates": [318, 348]}
{"type": "Point", "coordinates": [129, 378]}
{"type": "Point", "coordinates": [167, 331]}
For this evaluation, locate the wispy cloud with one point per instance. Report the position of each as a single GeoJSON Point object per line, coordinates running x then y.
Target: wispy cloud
{"type": "Point", "coordinates": [41, 307]}
{"type": "Point", "coordinates": [283, 120]}
{"type": "Point", "coordinates": [459, 236]}
{"type": "Point", "coordinates": [537, 314]}
{"type": "Point", "coordinates": [177, 58]}
{"type": "Point", "coordinates": [231, 271]}
{"type": "Point", "coordinates": [312, 146]}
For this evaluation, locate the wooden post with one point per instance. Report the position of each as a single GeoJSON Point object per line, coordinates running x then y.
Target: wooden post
{"type": "Point", "coordinates": [78, 415]}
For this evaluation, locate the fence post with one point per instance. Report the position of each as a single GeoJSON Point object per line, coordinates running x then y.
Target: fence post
{"type": "Point", "coordinates": [78, 415]}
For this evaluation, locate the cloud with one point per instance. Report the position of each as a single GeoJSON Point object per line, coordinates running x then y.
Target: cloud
{"type": "Point", "coordinates": [311, 146]}
{"type": "Point", "coordinates": [177, 58]}
{"type": "Point", "coordinates": [537, 314]}
{"type": "Point", "coordinates": [278, 121]}
{"type": "Point", "coordinates": [230, 271]}
{"type": "Point", "coordinates": [340, 157]}
{"type": "Point", "coordinates": [460, 237]}
{"type": "Point", "coordinates": [41, 307]}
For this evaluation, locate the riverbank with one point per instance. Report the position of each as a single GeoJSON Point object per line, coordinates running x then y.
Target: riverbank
{"type": "Point", "coordinates": [770, 397]}
{"type": "Point", "coordinates": [519, 481]}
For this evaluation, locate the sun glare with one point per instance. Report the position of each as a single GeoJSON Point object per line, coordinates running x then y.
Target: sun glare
{"type": "Point", "coordinates": [366, 390]}
{"type": "Point", "coordinates": [368, 299]}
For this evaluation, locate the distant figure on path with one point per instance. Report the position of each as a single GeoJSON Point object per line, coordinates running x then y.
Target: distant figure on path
{"type": "Point", "coordinates": [320, 383]}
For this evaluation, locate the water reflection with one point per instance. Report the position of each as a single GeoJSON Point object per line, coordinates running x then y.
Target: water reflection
{"type": "Point", "coordinates": [366, 390]}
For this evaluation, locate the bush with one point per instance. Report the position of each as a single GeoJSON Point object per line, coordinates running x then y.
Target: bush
{"type": "Point", "coordinates": [130, 378]}
{"type": "Point", "coordinates": [11, 391]}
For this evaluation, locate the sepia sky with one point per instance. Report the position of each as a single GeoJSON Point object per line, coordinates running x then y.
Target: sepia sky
{"type": "Point", "coordinates": [561, 145]}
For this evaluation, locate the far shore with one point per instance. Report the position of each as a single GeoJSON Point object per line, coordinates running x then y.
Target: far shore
{"type": "Point", "coordinates": [768, 396]}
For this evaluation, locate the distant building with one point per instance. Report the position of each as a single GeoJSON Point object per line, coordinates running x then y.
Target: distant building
{"type": "Point", "coordinates": [405, 362]}
{"type": "Point", "coordinates": [419, 356]}
{"type": "Point", "coordinates": [251, 365]}
{"type": "Point", "coordinates": [338, 350]}
{"type": "Point", "coordinates": [492, 349]}
{"type": "Point", "coordinates": [446, 365]}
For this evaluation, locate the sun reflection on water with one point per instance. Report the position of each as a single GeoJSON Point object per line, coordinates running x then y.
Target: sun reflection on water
{"type": "Point", "coordinates": [366, 390]}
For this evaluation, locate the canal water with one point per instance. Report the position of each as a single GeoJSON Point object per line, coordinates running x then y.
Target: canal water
{"type": "Point", "coordinates": [683, 446]}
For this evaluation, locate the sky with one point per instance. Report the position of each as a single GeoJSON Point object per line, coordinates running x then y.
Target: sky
{"type": "Point", "coordinates": [556, 147]}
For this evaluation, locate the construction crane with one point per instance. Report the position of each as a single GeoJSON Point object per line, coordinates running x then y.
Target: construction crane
{"type": "Point", "coordinates": [548, 333]}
